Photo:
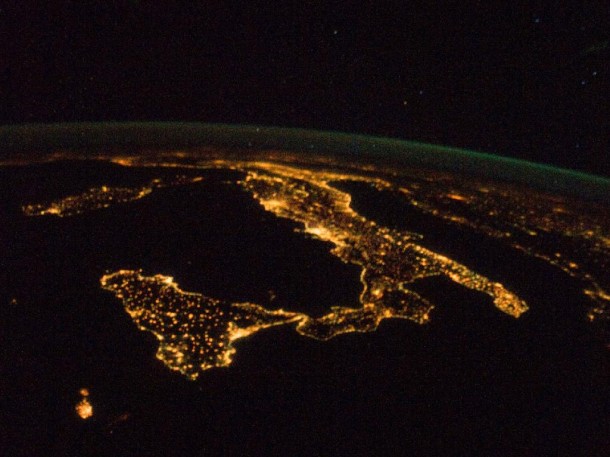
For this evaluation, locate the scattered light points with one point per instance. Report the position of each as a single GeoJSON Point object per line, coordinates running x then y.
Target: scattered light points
{"type": "Point", "coordinates": [100, 197]}
{"type": "Point", "coordinates": [554, 229]}
{"type": "Point", "coordinates": [601, 309]}
{"type": "Point", "coordinates": [390, 259]}
{"type": "Point", "coordinates": [197, 332]}
{"type": "Point", "coordinates": [83, 408]}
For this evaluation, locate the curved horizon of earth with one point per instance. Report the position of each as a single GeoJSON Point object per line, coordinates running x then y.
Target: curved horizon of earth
{"type": "Point", "coordinates": [22, 142]}
{"type": "Point", "coordinates": [232, 246]}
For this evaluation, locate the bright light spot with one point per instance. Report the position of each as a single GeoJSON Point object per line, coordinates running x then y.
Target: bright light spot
{"type": "Point", "coordinates": [83, 408]}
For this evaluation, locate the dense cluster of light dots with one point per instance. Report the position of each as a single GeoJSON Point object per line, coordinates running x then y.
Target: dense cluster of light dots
{"type": "Point", "coordinates": [390, 259]}
{"type": "Point", "coordinates": [195, 332]}
{"type": "Point", "coordinates": [100, 197]}
{"type": "Point", "coordinates": [570, 235]}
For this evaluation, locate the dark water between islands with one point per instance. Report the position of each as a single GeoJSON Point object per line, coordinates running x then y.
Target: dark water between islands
{"type": "Point", "coordinates": [473, 381]}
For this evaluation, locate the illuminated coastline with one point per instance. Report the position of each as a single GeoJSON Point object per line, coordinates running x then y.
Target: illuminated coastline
{"type": "Point", "coordinates": [197, 332]}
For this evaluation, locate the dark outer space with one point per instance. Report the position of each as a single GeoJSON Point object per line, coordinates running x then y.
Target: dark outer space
{"type": "Point", "coordinates": [522, 79]}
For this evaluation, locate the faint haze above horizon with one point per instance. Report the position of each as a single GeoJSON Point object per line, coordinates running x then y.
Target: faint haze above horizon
{"type": "Point", "coordinates": [527, 80]}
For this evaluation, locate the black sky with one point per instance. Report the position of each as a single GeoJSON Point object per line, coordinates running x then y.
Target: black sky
{"type": "Point", "coordinates": [523, 79]}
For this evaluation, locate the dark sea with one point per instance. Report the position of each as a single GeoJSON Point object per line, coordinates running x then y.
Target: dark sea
{"type": "Point", "coordinates": [473, 381]}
